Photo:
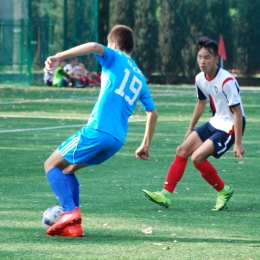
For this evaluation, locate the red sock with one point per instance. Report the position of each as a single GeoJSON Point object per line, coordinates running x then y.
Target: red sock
{"type": "Point", "coordinates": [210, 174]}
{"type": "Point", "coordinates": [175, 173]}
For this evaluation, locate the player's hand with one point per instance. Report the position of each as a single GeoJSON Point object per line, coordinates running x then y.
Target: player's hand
{"type": "Point", "coordinates": [142, 153]}
{"type": "Point", "coordinates": [51, 63]}
{"type": "Point", "coordinates": [239, 151]}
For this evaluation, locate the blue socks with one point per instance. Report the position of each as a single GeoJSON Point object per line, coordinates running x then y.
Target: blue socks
{"type": "Point", "coordinates": [61, 187]}
{"type": "Point", "coordinates": [74, 187]}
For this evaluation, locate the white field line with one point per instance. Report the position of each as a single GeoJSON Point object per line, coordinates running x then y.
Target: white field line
{"type": "Point", "coordinates": [45, 117]}
{"type": "Point", "coordinates": [55, 127]}
{"type": "Point", "coordinates": [76, 100]}
{"type": "Point", "coordinates": [48, 100]}
{"type": "Point", "coordinates": [94, 98]}
{"type": "Point", "coordinates": [40, 128]}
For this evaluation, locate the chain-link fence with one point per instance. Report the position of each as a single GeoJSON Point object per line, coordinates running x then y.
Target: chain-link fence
{"type": "Point", "coordinates": [32, 30]}
{"type": "Point", "coordinates": [165, 34]}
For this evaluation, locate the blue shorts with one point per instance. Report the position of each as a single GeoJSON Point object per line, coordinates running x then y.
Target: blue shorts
{"type": "Point", "coordinates": [89, 146]}
{"type": "Point", "coordinates": [222, 141]}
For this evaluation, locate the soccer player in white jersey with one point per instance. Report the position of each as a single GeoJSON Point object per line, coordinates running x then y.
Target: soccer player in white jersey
{"type": "Point", "coordinates": [122, 85]}
{"type": "Point", "coordinates": [214, 138]}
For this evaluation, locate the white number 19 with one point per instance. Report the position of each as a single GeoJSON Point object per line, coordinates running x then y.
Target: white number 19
{"type": "Point", "coordinates": [135, 80]}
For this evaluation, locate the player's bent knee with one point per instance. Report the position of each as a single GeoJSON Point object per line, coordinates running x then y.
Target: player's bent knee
{"type": "Point", "coordinates": [182, 152]}
{"type": "Point", "coordinates": [195, 159]}
{"type": "Point", "coordinates": [49, 164]}
{"type": "Point", "coordinates": [46, 166]}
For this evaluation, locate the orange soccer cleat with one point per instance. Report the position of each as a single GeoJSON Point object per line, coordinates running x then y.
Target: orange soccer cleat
{"type": "Point", "coordinates": [74, 230]}
{"type": "Point", "coordinates": [67, 219]}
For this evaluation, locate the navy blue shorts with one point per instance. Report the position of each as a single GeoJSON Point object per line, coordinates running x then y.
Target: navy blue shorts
{"type": "Point", "coordinates": [222, 141]}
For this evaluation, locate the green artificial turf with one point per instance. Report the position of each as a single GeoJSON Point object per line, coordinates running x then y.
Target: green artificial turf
{"type": "Point", "coordinates": [35, 120]}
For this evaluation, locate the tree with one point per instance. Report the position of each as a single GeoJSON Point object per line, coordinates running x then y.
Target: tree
{"type": "Point", "coordinates": [248, 37]}
{"type": "Point", "coordinates": [171, 42]}
{"type": "Point", "coordinates": [208, 19]}
{"type": "Point", "coordinates": [146, 35]}
{"type": "Point", "coordinates": [103, 25]}
{"type": "Point", "coordinates": [121, 12]}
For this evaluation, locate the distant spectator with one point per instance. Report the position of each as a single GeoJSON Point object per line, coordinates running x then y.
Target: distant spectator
{"type": "Point", "coordinates": [86, 78]}
{"type": "Point", "coordinates": [74, 79]}
{"type": "Point", "coordinates": [60, 77]}
{"type": "Point", "coordinates": [94, 75]}
{"type": "Point", "coordinates": [73, 65]}
{"type": "Point", "coordinates": [47, 78]}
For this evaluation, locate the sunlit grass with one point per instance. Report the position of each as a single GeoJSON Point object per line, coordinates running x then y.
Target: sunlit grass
{"type": "Point", "coordinates": [114, 209]}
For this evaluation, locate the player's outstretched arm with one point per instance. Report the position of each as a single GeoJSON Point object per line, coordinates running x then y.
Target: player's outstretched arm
{"type": "Point", "coordinates": [83, 49]}
{"type": "Point", "coordinates": [142, 151]}
{"type": "Point", "coordinates": [238, 149]}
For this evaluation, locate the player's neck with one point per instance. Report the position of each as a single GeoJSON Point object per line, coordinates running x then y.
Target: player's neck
{"type": "Point", "coordinates": [211, 74]}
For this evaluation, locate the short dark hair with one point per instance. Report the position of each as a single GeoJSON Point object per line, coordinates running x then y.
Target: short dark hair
{"type": "Point", "coordinates": [209, 44]}
{"type": "Point", "coordinates": [123, 36]}
{"type": "Point", "coordinates": [74, 59]}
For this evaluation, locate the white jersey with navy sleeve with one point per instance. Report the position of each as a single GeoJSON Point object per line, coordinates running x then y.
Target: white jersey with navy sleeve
{"type": "Point", "coordinates": [223, 92]}
{"type": "Point", "coordinates": [122, 85]}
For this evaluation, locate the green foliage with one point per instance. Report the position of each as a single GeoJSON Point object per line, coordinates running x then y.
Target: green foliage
{"type": "Point", "coordinates": [146, 35]}
{"type": "Point", "coordinates": [53, 10]}
{"type": "Point", "coordinates": [103, 24]}
{"type": "Point", "coordinates": [248, 34]}
{"type": "Point", "coordinates": [170, 41]}
{"type": "Point", "coordinates": [164, 35]}
{"type": "Point", "coordinates": [236, 20]}
{"type": "Point", "coordinates": [121, 12]}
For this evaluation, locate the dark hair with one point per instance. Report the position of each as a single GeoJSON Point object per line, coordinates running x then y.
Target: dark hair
{"type": "Point", "coordinates": [73, 58]}
{"type": "Point", "coordinates": [123, 36]}
{"type": "Point", "coordinates": [209, 44]}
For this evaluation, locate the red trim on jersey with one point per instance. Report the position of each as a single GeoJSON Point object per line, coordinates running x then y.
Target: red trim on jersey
{"type": "Point", "coordinates": [232, 130]}
{"type": "Point", "coordinates": [208, 79]}
{"type": "Point", "coordinates": [226, 80]}
{"type": "Point", "coordinates": [212, 104]}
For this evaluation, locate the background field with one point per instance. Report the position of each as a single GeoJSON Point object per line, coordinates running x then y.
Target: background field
{"type": "Point", "coordinates": [35, 120]}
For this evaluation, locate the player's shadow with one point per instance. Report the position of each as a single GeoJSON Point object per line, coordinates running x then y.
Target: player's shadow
{"type": "Point", "coordinates": [122, 237]}
{"type": "Point", "coordinates": [119, 236]}
{"type": "Point", "coordinates": [104, 238]}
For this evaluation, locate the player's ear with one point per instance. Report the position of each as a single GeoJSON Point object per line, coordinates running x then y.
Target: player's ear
{"type": "Point", "coordinates": [111, 45]}
{"type": "Point", "coordinates": [114, 46]}
{"type": "Point", "coordinates": [216, 59]}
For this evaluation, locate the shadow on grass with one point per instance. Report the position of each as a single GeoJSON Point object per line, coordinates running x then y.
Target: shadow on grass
{"type": "Point", "coordinates": [118, 237]}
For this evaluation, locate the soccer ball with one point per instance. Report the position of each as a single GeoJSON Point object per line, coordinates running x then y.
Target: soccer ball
{"type": "Point", "coordinates": [51, 215]}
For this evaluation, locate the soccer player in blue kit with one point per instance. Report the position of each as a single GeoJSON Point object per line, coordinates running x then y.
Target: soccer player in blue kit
{"type": "Point", "coordinates": [122, 85]}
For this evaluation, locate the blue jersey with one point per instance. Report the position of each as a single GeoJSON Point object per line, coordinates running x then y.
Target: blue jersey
{"type": "Point", "coordinates": [122, 85]}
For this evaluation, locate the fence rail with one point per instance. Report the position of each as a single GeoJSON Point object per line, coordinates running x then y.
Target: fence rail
{"type": "Point", "coordinates": [24, 48]}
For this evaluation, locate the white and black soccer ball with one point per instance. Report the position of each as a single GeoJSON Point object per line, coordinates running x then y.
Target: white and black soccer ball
{"type": "Point", "coordinates": [51, 215]}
